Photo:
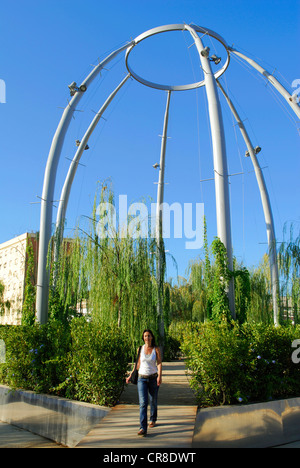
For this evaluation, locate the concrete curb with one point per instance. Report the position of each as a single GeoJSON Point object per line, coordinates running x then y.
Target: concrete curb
{"type": "Point", "coordinates": [59, 419]}
{"type": "Point", "coordinates": [258, 425]}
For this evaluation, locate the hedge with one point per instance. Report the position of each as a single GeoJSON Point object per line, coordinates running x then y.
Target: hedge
{"type": "Point", "coordinates": [82, 361]}
{"type": "Point", "coordinates": [232, 364]}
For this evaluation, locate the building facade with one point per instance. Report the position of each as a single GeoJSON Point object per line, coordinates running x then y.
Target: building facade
{"type": "Point", "coordinates": [13, 267]}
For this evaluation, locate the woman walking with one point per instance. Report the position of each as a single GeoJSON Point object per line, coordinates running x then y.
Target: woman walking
{"type": "Point", "coordinates": [149, 367]}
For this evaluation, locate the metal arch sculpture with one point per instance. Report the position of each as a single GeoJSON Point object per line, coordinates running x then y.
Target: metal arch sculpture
{"type": "Point", "coordinates": [219, 155]}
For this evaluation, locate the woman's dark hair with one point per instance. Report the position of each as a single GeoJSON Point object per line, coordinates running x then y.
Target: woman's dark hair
{"type": "Point", "coordinates": [153, 338]}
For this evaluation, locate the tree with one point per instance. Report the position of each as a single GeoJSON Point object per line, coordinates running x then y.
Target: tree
{"type": "Point", "coordinates": [28, 310]}
{"type": "Point", "coordinates": [115, 274]}
{"type": "Point", "coordinates": [289, 267]}
{"type": "Point", "coordinates": [260, 301]}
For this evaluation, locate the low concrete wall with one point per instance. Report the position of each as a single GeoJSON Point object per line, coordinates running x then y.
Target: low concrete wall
{"type": "Point", "coordinates": [258, 425]}
{"type": "Point", "coordinates": [59, 419]}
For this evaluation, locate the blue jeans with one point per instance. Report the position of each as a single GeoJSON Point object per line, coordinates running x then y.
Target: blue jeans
{"type": "Point", "coordinates": [145, 386]}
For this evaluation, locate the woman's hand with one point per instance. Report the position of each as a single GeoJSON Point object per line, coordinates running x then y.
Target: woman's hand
{"type": "Point", "coordinates": [128, 379]}
{"type": "Point", "coordinates": [159, 380]}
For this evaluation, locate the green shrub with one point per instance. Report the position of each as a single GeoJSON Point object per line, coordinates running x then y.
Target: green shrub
{"type": "Point", "coordinates": [174, 339]}
{"type": "Point", "coordinates": [36, 356]}
{"type": "Point", "coordinates": [98, 362]}
{"type": "Point", "coordinates": [274, 375]}
{"type": "Point", "coordinates": [84, 361]}
{"type": "Point", "coordinates": [241, 363]}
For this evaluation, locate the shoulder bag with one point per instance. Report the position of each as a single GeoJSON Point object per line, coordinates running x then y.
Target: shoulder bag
{"type": "Point", "coordinates": [135, 374]}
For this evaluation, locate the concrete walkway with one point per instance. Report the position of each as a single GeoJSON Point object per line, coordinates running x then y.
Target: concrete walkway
{"type": "Point", "coordinates": [176, 416]}
{"type": "Point", "coordinates": [15, 437]}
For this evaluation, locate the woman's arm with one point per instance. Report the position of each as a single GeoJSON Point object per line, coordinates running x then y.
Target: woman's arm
{"type": "Point", "coordinates": [137, 366]}
{"type": "Point", "coordinates": [159, 366]}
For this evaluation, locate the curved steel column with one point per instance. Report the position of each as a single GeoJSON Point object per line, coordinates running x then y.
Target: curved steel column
{"type": "Point", "coordinates": [266, 207]}
{"type": "Point", "coordinates": [161, 178]}
{"type": "Point", "coordinates": [65, 193]}
{"type": "Point", "coordinates": [220, 161]}
{"type": "Point", "coordinates": [42, 292]}
{"type": "Point", "coordinates": [159, 221]}
{"type": "Point", "coordinates": [281, 89]}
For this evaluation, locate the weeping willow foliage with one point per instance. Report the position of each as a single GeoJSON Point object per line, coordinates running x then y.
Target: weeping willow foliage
{"type": "Point", "coordinates": [289, 268]}
{"type": "Point", "coordinates": [114, 276]}
{"type": "Point", "coordinates": [260, 306]}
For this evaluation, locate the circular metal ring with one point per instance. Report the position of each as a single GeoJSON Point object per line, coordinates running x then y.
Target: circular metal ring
{"type": "Point", "coordinates": [175, 27]}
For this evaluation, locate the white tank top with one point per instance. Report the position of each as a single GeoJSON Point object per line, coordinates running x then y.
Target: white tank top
{"type": "Point", "coordinates": [147, 362]}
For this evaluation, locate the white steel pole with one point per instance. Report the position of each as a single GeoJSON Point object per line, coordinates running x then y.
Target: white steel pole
{"type": "Point", "coordinates": [281, 89]}
{"type": "Point", "coordinates": [220, 161]}
{"type": "Point", "coordinates": [161, 178]}
{"type": "Point", "coordinates": [159, 221]}
{"type": "Point", "coordinates": [266, 207]}
{"type": "Point", "coordinates": [42, 293]}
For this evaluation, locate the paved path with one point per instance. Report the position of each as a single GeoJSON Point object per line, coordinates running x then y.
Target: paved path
{"type": "Point", "coordinates": [176, 416]}
{"type": "Point", "coordinates": [175, 425]}
{"type": "Point", "coordinates": [14, 437]}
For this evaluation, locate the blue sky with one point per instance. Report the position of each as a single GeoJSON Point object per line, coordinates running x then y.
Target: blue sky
{"type": "Point", "coordinates": [45, 45]}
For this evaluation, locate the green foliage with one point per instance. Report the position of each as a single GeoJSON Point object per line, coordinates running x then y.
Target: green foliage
{"type": "Point", "coordinates": [242, 289]}
{"type": "Point", "coordinates": [289, 267]}
{"type": "Point", "coordinates": [67, 288]}
{"type": "Point", "coordinates": [219, 299]}
{"type": "Point", "coordinates": [98, 365]}
{"type": "Point", "coordinates": [175, 338]}
{"type": "Point", "coordinates": [234, 363]}
{"type": "Point", "coordinates": [115, 275]}
{"type": "Point", "coordinates": [36, 356]}
{"type": "Point", "coordinates": [204, 296]}
{"type": "Point", "coordinates": [28, 310]}
{"type": "Point", "coordinates": [260, 308]}
{"type": "Point", "coordinates": [84, 361]}
{"type": "Point", "coordinates": [2, 305]}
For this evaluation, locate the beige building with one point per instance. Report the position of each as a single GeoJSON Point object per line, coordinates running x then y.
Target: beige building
{"type": "Point", "coordinates": [12, 275]}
